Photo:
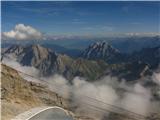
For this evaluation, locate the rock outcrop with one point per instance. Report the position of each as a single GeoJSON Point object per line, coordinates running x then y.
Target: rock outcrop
{"type": "Point", "coordinates": [49, 62]}
{"type": "Point", "coordinates": [103, 51]}
{"type": "Point", "coordinates": [19, 95]}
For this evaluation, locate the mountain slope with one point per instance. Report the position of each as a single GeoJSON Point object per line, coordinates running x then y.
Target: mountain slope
{"type": "Point", "coordinates": [124, 66]}
{"type": "Point", "coordinates": [150, 56]}
{"type": "Point", "coordinates": [129, 71]}
{"type": "Point", "coordinates": [103, 51]}
{"type": "Point", "coordinates": [44, 59]}
{"type": "Point", "coordinates": [19, 95]}
{"type": "Point", "coordinates": [89, 69]}
{"type": "Point", "coordinates": [92, 65]}
{"type": "Point", "coordinates": [49, 62]}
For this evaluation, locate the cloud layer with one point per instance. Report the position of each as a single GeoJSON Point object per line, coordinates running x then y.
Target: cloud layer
{"type": "Point", "coordinates": [23, 32]}
{"type": "Point", "coordinates": [95, 99]}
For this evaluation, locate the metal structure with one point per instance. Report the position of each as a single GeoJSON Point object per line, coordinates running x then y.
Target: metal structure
{"type": "Point", "coordinates": [45, 113]}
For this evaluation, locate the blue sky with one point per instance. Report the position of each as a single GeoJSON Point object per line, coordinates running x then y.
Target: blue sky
{"type": "Point", "coordinates": [80, 18]}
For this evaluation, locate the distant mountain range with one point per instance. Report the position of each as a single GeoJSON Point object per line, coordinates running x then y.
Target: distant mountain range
{"type": "Point", "coordinates": [97, 60]}
{"type": "Point", "coordinates": [59, 49]}
{"type": "Point", "coordinates": [151, 56]}
{"type": "Point", "coordinates": [125, 44]}
{"type": "Point", "coordinates": [134, 43]}
{"type": "Point", "coordinates": [111, 55]}
{"type": "Point", "coordinates": [129, 66]}
{"type": "Point", "coordinates": [49, 62]}
{"type": "Point", "coordinates": [73, 47]}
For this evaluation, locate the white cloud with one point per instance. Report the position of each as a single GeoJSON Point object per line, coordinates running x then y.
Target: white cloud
{"type": "Point", "coordinates": [156, 78]}
{"type": "Point", "coordinates": [93, 99]}
{"type": "Point", "coordinates": [23, 32]}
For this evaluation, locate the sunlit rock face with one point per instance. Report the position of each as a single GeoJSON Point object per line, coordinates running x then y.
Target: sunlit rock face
{"type": "Point", "coordinates": [104, 51]}
{"type": "Point", "coordinates": [48, 62]}
{"type": "Point", "coordinates": [35, 55]}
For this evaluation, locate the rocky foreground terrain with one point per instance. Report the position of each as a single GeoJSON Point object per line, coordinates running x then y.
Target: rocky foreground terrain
{"type": "Point", "coordinates": [19, 95]}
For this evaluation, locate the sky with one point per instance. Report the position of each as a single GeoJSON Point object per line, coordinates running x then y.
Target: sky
{"type": "Point", "coordinates": [81, 18]}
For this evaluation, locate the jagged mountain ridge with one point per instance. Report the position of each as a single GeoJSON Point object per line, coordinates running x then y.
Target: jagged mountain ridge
{"type": "Point", "coordinates": [104, 51]}
{"type": "Point", "coordinates": [99, 50]}
{"type": "Point", "coordinates": [130, 67]}
{"type": "Point", "coordinates": [35, 55]}
{"type": "Point", "coordinates": [124, 66]}
{"type": "Point", "coordinates": [111, 55]}
{"type": "Point", "coordinates": [129, 71]}
{"type": "Point", "coordinates": [49, 62]}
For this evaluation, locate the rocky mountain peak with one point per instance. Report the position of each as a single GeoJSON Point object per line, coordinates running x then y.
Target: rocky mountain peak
{"type": "Point", "coordinates": [100, 50]}
{"type": "Point", "coordinates": [40, 52]}
{"type": "Point", "coordinates": [14, 48]}
{"type": "Point", "coordinates": [38, 47]}
{"type": "Point", "coordinates": [99, 44]}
